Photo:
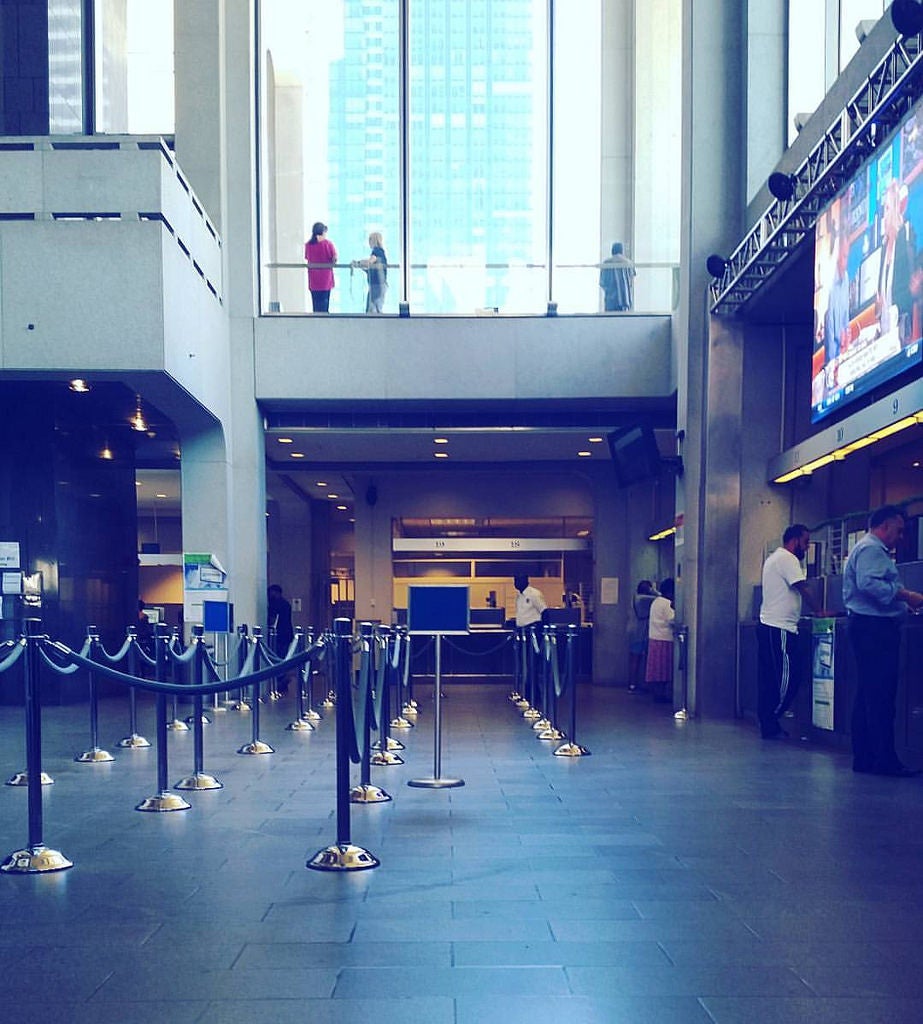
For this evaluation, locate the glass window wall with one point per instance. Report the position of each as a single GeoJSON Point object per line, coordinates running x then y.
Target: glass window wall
{"type": "Point", "coordinates": [483, 174]}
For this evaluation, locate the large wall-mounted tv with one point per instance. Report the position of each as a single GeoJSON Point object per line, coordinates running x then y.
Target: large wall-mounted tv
{"type": "Point", "coordinates": [635, 454]}
{"type": "Point", "coordinates": [868, 275]}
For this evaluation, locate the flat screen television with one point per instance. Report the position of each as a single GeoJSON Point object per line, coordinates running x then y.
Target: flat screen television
{"type": "Point", "coordinates": [868, 275]}
{"type": "Point", "coordinates": [635, 454]}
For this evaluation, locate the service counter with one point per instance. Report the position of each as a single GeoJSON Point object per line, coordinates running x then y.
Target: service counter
{"type": "Point", "coordinates": [485, 655]}
{"type": "Point", "coordinates": [908, 727]}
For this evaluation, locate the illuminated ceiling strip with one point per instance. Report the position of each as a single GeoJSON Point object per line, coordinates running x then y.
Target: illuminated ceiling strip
{"type": "Point", "coordinates": [663, 534]}
{"type": "Point", "coordinates": [847, 449]}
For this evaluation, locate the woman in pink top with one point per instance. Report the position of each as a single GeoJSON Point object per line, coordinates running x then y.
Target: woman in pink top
{"type": "Point", "coordinates": [321, 255]}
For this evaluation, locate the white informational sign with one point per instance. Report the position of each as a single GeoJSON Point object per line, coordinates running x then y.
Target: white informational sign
{"type": "Point", "coordinates": [822, 665]}
{"type": "Point", "coordinates": [609, 590]}
{"type": "Point", "coordinates": [204, 579]}
{"type": "Point", "coordinates": [9, 554]}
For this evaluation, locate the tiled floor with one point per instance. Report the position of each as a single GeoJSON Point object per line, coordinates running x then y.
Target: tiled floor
{"type": "Point", "coordinates": [684, 872]}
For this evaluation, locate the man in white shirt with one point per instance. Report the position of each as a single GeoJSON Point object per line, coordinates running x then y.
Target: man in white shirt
{"type": "Point", "coordinates": [529, 602]}
{"type": "Point", "coordinates": [784, 586]}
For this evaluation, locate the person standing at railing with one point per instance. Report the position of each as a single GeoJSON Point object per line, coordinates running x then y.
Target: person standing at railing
{"type": "Point", "coordinates": [616, 278]}
{"type": "Point", "coordinates": [376, 270]}
{"type": "Point", "coordinates": [321, 256]}
{"type": "Point", "coordinates": [530, 602]}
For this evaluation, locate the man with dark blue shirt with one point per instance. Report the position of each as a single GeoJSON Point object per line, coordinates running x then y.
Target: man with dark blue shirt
{"type": "Point", "coordinates": [877, 601]}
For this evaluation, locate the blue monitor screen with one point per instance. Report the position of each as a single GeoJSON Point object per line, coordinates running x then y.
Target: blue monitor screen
{"type": "Point", "coordinates": [868, 275]}
{"type": "Point", "coordinates": [437, 609]}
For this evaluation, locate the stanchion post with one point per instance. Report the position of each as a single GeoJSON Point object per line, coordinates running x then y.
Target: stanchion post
{"type": "Point", "coordinates": [199, 779]}
{"type": "Point", "coordinates": [133, 741]}
{"type": "Point", "coordinates": [300, 723]}
{"type": "Point", "coordinates": [384, 755]}
{"type": "Point", "coordinates": [95, 755]}
{"type": "Point", "coordinates": [343, 856]}
{"type": "Point", "coordinates": [176, 724]}
{"type": "Point", "coordinates": [36, 858]}
{"type": "Point", "coordinates": [551, 730]}
{"type": "Point", "coordinates": [310, 714]}
{"type": "Point", "coordinates": [365, 792]}
{"type": "Point", "coordinates": [682, 643]}
{"type": "Point", "coordinates": [572, 748]}
{"type": "Point", "coordinates": [256, 745]}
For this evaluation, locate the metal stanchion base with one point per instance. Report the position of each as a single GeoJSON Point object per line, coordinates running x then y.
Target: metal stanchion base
{"type": "Point", "coordinates": [392, 744]}
{"type": "Point", "coordinates": [240, 705]}
{"type": "Point", "coordinates": [163, 802]}
{"type": "Point", "coordinates": [330, 701]}
{"type": "Point", "coordinates": [541, 724]}
{"type": "Point", "coordinates": [411, 708]}
{"type": "Point", "coordinates": [366, 793]}
{"type": "Point", "coordinates": [383, 758]}
{"type": "Point", "coordinates": [435, 783]}
{"type": "Point", "coordinates": [551, 733]}
{"type": "Point", "coordinates": [571, 750]}
{"type": "Point", "coordinates": [530, 714]}
{"type": "Point", "coordinates": [177, 725]}
{"type": "Point", "coordinates": [514, 696]}
{"type": "Point", "coordinates": [401, 723]}
{"type": "Point", "coordinates": [35, 860]}
{"type": "Point", "coordinates": [274, 695]}
{"type": "Point", "coordinates": [257, 747]}
{"type": "Point", "coordinates": [300, 725]}
{"type": "Point", "coordinates": [682, 715]}
{"type": "Point", "coordinates": [343, 858]}
{"type": "Point", "coordinates": [190, 720]}
{"type": "Point", "coordinates": [95, 755]}
{"type": "Point", "coordinates": [199, 780]}
{"type": "Point", "coordinates": [522, 703]}
{"type": "Point", "coordinates": [134, 742]}
{"type": "Point", "coordinates": [22, 779]}
{"type": "Point", "coordinates": [312, 716]}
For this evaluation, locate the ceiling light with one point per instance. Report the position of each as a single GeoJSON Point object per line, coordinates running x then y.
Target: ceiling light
{"type": "Point", "coordinates": [297, 455]}
{"type": "Point", "coordinates": [106, 452]}
{"type": "Point", "coordinates": [663, 534]}
{"type": "Point", "coordinates": [440, 440]}
{"type": "Point", "coordinates": [441, 455]}
{"type": "Point", "coordinates": [137, 421]}
{"type": "Point", "coordinates": [333, 496]}
{"type": "Point", "coordinates": [285, 440]}
{"type": "Point", "coordinates": [322, 483]}
{"type": "Point", "coordinates": [584, 455]}
{"type": "Point", "coordinates": [159, 495]}
{"type": "Point", "coordinates": [594, 440]}
{"type": "Point", "coordinates": [79, 385]}
{"type": "Point", "coordinates": [341, 508]}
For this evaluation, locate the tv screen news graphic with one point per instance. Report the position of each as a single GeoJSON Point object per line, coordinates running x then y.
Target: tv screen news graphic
{"type": "Point", "coordinates": [868, 275]}
{"type": "Point", "coordinates": [635, 454]}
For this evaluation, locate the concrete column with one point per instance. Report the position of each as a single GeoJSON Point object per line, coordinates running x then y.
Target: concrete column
{"type": "Point", "coordinates": [709, 358]}
{"type": "Point", "coordinates": [215, 145]}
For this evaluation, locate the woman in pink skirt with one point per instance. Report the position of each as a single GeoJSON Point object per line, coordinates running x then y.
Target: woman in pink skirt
{"type": "Point", "coordinates": [659, 672]}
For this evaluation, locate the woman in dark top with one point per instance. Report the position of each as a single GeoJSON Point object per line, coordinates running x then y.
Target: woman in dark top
{"type": "Point", "coordinates": [376, 269]}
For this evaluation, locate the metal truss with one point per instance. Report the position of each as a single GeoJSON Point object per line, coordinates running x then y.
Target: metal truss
{"type": "Point", "coordinates": [869, 117]}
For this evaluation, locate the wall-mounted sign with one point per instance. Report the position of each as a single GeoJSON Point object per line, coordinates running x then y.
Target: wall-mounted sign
{"type": "Point", "coordinates": [9, 554]}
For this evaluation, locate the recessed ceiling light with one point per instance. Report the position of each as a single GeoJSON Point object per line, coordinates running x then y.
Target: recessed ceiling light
{"type": "Point", "coordinates": [584, 455]}
{"type": "Point", "coordinates": [440, 440]}
{"type": "Point", "coordinates": [79, 385]}
{"type": "Point", "coordinates": [322, 483]}
{"type": "Point", "coordinates": [333, 496]}
{"type": "Point", "coordinates": [160, 495]}
{"type": "Point", "coordinates": [297, 455]}
{"type": "Point", "coordinates": [594, 440]}
{"type": "Point", "coordinates": [285, 440]}
{"type": "Point", "coordinates": [341, 508]}
{"type": "Point", "coordinates": [441, 455]}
